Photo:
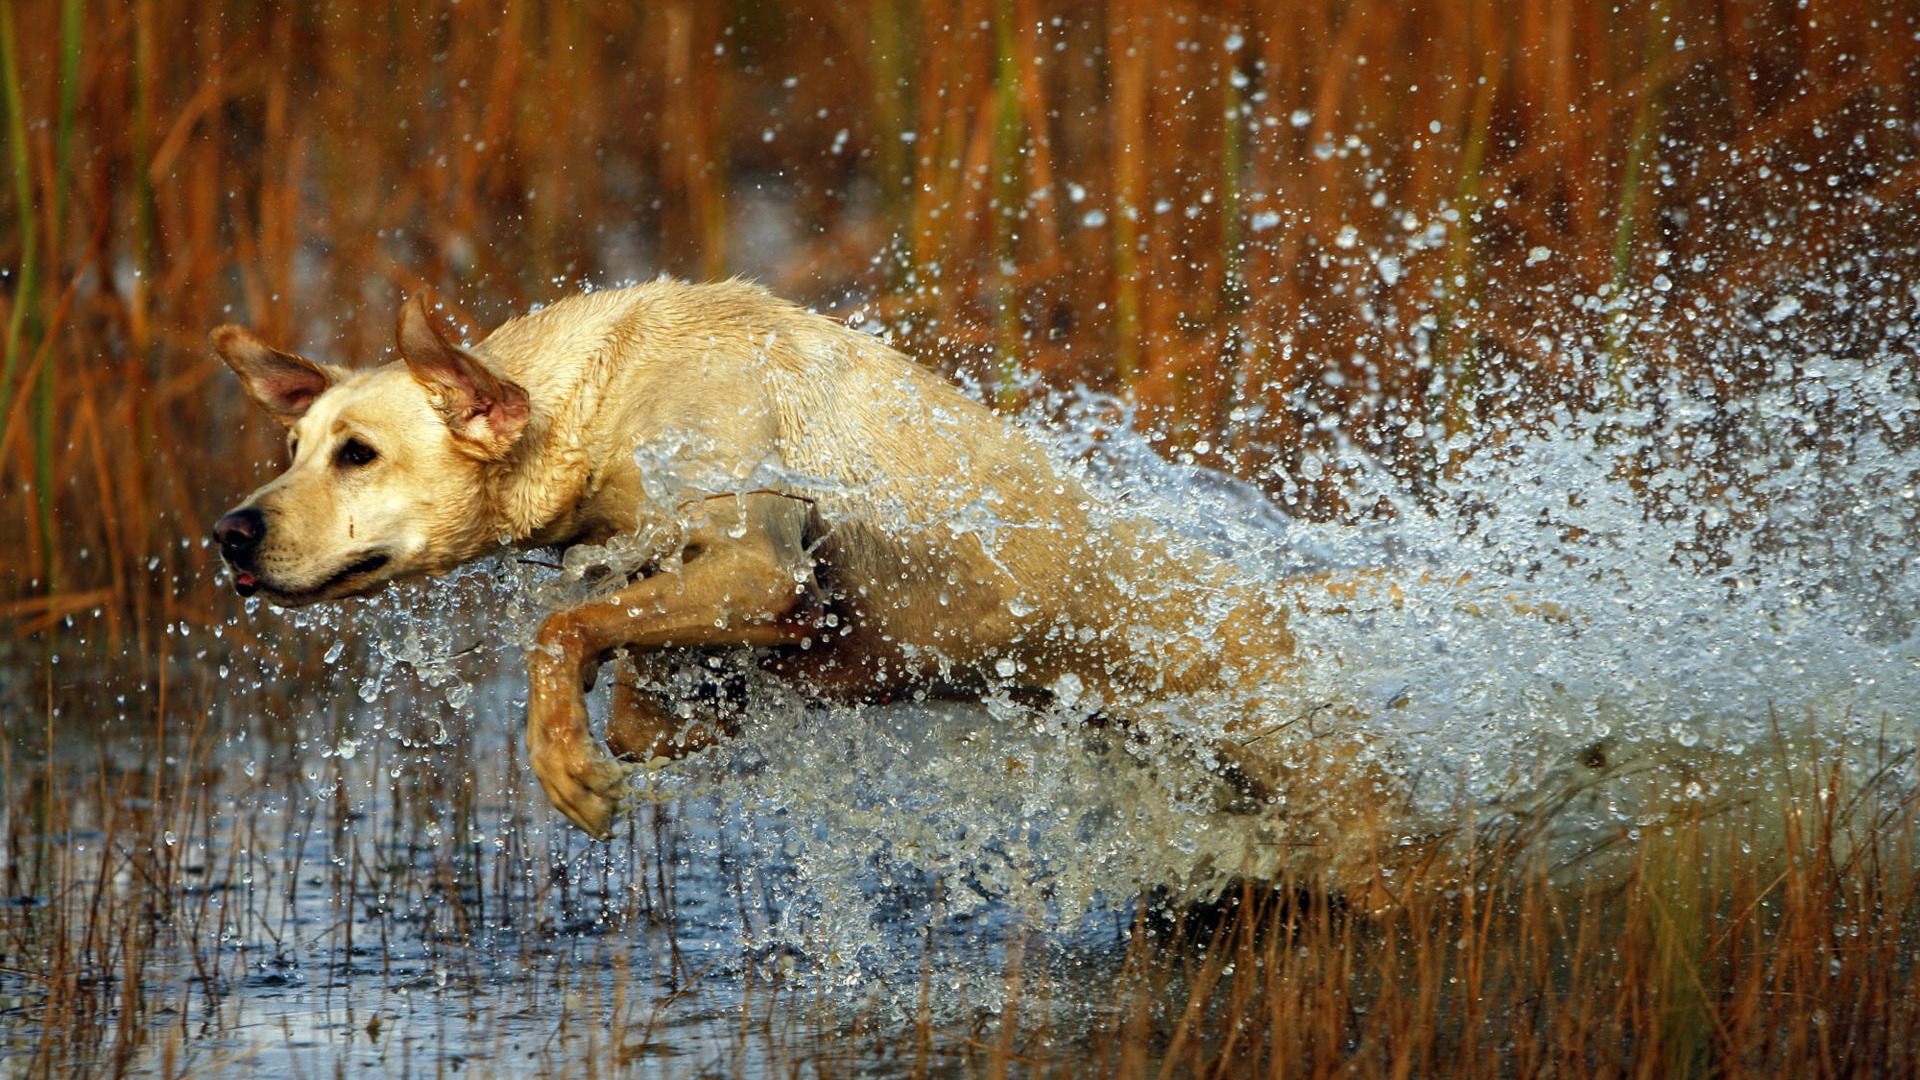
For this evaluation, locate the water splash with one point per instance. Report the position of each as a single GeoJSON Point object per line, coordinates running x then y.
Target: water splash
{"type": "Point", "coordinates": [1589, 619]}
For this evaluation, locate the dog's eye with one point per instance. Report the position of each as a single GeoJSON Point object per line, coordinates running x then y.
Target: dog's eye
{"type": "Point", "coordinates": [354, 453]}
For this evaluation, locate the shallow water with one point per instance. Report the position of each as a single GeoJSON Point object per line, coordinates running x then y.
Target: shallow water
{"type": "Point", "coordinates": [306, 880]}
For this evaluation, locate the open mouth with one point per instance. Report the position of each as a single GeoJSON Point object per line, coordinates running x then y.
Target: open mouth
{"type": "Point", "coordinates": [246, 584]}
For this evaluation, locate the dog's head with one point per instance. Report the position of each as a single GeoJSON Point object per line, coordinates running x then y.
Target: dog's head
{"type": "Point", "coordinates": [388, 469]}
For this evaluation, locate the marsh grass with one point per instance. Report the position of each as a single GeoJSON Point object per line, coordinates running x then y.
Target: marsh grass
{"type": "Point", "coordinates": [1275, 230]}
{"type": "Point", "coordinates": [1768, 939]}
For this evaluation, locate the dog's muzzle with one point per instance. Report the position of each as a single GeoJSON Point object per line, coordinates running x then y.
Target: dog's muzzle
{"type": "Point", "coordinates": [239, 535]}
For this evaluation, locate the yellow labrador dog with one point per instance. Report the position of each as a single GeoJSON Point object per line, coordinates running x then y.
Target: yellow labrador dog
{"type": "Point", "coordinates": [807, 492]}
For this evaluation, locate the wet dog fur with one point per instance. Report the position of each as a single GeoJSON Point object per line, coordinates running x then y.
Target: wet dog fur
{"type": "Point", "coordinates": [810, 493]}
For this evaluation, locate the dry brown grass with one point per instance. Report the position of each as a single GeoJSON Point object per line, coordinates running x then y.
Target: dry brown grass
{"type": "Point", "coordinates": [177, 165]}
{"type": "Point", "coordinates": [1775, 939]}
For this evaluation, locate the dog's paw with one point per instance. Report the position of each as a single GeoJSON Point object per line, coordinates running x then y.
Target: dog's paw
{"type": "Point", "coordinates": [588, 786]}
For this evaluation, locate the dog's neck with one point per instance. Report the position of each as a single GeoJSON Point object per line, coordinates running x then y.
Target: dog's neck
{"type": "Point", "coordinates": [539, 493]}
{"type": "Point", "coordinates": [568, 480]}
{"type": "Point", "coordinates": [536, 494]}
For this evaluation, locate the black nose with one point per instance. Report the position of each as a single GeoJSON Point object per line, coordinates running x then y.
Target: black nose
{"type": "Point", "coordinates": [239, 533]}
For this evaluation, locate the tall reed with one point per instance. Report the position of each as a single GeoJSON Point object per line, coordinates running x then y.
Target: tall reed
{"type": "Point", "coordinates": [1366, 225]}
{"type": "Point", "coordinates": [20, 324]}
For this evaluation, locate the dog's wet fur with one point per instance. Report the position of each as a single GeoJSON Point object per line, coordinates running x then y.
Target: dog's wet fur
{"type": "Point", "coordinates": [809, 493]}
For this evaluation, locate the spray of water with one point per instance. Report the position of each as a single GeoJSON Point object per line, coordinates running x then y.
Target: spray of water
{"type": "Point", "coordinates": [1583, 624]}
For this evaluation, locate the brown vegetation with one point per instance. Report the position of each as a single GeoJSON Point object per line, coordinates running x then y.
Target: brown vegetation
{"type": "Point", "coordinates": [1184, 202]}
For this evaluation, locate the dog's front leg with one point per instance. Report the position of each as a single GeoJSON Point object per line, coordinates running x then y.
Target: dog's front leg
{"type": "Point", "coordinates": [581, 779]}
{"type": "Point", "coordinates": [715, 601]}
{"type": "Point", "coordinates": [739, 593]}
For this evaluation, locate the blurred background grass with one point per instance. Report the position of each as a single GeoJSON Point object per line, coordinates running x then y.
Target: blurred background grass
{"type": "Point", "coordinates": [1269, 226]}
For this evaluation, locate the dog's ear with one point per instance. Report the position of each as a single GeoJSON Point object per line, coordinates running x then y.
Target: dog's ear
{"type": "Point", "coordinates": [284, 384]}
{"type": "Point", "coordinates": [485, 413]}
